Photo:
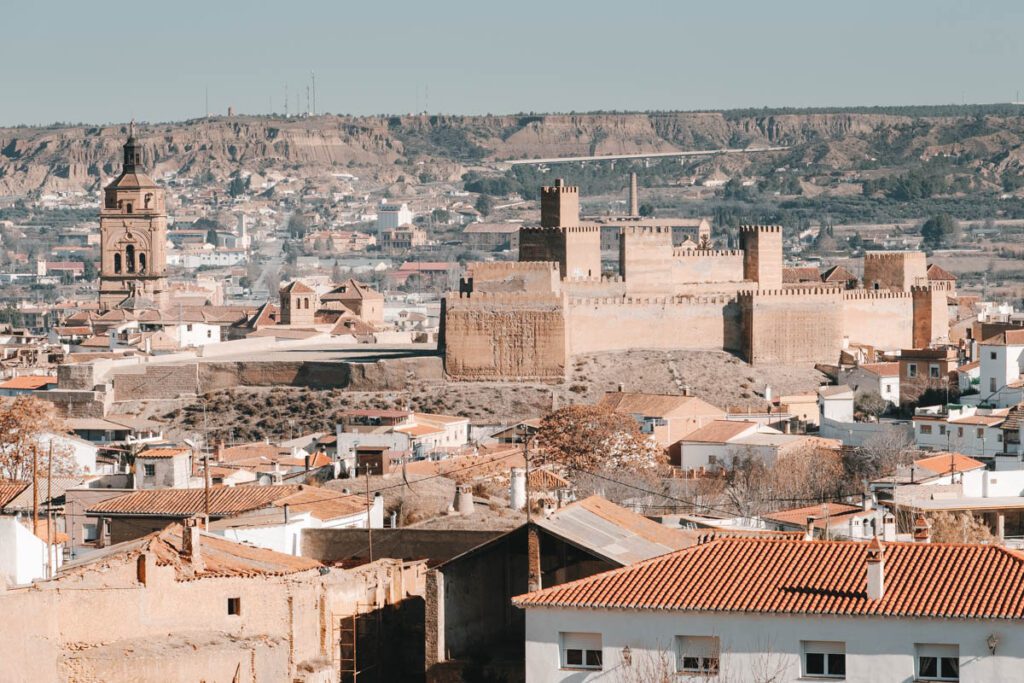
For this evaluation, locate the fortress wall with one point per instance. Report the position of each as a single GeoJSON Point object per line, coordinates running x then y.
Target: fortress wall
{"type": "Point", "coordinates": [645, 260]}
{"type": "Point", "coordinates": [603, 288]}
{"type": "Point", "coordinates": [620, 324]}
{"type": "Point", "coordinates": [883, 319]}
{"type": "Point", "coordinates": [504, 336]}
{"type": "Point", "coordinates": [787, 326]}
{"type": "Point", "coordinates": [694, 266]}
{"type": "Point", "coordinates": [515, 276]}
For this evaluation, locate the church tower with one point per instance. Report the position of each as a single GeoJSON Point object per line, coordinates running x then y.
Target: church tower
{"type": "Point", "coordinates": [133, 236]}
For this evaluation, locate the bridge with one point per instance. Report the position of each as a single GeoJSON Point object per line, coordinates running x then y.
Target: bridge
{"type": "Point", "coordinates": [646, 155]}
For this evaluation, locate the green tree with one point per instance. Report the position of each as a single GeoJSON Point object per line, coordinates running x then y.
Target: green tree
{"type": "Point", "coordinates": [484, 204]}
{"type": "Point", "coordinates": [940, 231]}
{"type": "Point", "coordinates": [440, 215]}
{"type": "Point", "coordinates": [646, 210]}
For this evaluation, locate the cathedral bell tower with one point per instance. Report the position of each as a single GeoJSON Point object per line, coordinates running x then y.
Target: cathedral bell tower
{"type": "Point", "coordinates": [133, 237]}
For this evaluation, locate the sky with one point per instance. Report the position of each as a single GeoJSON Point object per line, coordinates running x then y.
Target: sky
{"type": "Point", "coordinates": [102, 61]}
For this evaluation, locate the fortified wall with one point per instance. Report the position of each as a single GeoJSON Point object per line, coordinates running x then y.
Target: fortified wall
{"type": "Point", "coordinates": [525, 320]}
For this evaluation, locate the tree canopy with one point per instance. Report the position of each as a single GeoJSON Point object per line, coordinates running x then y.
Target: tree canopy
{"type": "Point", "coordinates": [591, 438]}
{"type": "Point", "coordinates": [940, 231]}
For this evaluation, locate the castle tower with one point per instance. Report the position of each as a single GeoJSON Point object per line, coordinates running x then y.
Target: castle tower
{"type": "Point", "coordinates": [762, 255]}
{"type": "Point", "coordinates": [559, 205]}
{"type": "Point", "coordinates": [133, 236]}
{"type": "Point", "coordinates": [299, 303]}
{"type": "Point", "coordinates": [634, 199]}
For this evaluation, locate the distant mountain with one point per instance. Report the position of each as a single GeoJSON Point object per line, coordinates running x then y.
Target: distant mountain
{"type": "Point", "coordinates": [988, 140]}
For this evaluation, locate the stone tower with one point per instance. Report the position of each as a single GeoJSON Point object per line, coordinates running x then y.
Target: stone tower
{"type": "Point", "coordinates": [559, 205]}
{"type": "Point", "coordinates": [299, 303]}
{"type": "Point", "coordinates": [762, 255]}
{"type": "Point", "coordinates": [133, 236]}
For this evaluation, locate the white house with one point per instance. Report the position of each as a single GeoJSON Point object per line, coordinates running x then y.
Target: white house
{"type": "Point", "coordinates": [973, 431]}
{"type": "Point", "coordinates": [879, 378]}
{"type": "Point", "coordinates": [1001, 361]}
{"type": "Point", "coordinates": [81, 452]}
{"type": "Point", "coordinates": [23, 554]}
{"type": "Point", "coordinates": [836, 403]}
{"type": "Point", "coordinates": [786, 610]}
{"type": "Point", "coordinates": [720, 442]}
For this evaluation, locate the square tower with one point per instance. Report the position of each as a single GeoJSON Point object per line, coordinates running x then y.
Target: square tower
{"type": "Point", "coordinates": [559, 205]}
{"type": "Point", "coordinates": [299, 303]}
{"type": "Point", "coordinates": [895, 270]}
{"type": "Point", "coordinates": [762, 255]}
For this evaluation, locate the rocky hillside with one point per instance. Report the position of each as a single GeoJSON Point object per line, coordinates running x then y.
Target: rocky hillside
{"type": "Point", "coordinates": [80, 157]}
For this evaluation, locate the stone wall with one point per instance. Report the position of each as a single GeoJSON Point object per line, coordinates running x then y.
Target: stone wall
{"type": "Point", "coordinates": [513, 276]}
{"type": "Point", "coordinates": [620, 324]}
{"type": "Point", "coordinates": [703, 267]}
{"type": "Point", "coordinates": [645, 260]}
{"type": "Point", "coordinates": [156, 381]}
{"type": "Point", "coordinates": [883, 319]}
{"type": "Point", "coordinates": [792, 326]}
{"type": "Point", "coordinates": [895, 270]}
{"type": "Point", "coordinates": [504, 336]}
{"type": "Point", "coordinates": [931, 313]}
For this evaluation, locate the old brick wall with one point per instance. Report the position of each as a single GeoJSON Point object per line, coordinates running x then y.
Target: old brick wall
{"type": "Point", "coordinates": [895, 270]}
{"type": "Point", "coordinates": [762, 255]}
{"type": "Point", "coordinates": [505, 336]}
{"type": "Point", "coordinates": [693, 266]}
{"type": "Point", "coordinates": [515, 276]}
{"type": "Point", "coordinates": [931, 313]}
{"type": "Point", "coordinates": [792, 326]}
{"type": "Point", "coordinates": [645, 260]}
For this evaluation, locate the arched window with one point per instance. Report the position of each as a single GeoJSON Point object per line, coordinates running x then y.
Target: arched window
{"type": "Point", "coordinates": [147, 200]}
{"type": "Point", "coordinates": [117, 263]}
{"type": "Point", "coordinates": [305, 303]}
{"type": "Point", "coordinates": [128, 207]}
{"type": "Point", "coordinates": [120, 204]}
{"type": "Point", "coordinates": [129, 257]}
{"type": "Point", "coordinates": [142, 262]}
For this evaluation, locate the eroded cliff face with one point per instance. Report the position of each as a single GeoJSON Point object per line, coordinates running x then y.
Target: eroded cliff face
{"type": "Point", "coordinates": [82, 157]}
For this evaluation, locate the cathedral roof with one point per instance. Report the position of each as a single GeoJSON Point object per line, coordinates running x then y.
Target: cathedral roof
{"type": "Point", "coordinates": [131, 180]}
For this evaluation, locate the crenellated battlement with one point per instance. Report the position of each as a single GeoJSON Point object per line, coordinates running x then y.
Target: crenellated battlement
{"type": "Point", "coordinates": [495, 267]}
{"type": "Point", "coordinates": [687, 300]}
{"type": "Point", "coordinates": [862, 294]}
{"type": "Point", "coordinates": [760, 228]}
{"type": "Point", "coordinates": [790, 294]}
{"type": "Point", "coordinates": [933, 286]}
{"type": "Point", "coordinates": [559, 189]}
{"type": "Point", "coordinates": [887, 255]}
{"type": "Point", "coordinates": [483, 300]}
{"type": "Point", "coordinates": [681, 252]}
{"type": "Point", "coordinates": [641, 230]}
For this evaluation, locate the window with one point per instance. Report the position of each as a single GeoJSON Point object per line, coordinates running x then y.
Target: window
{"type": "Point", "coordinates": [942, 430]}
{"type": "Point", "coordinates": [911, 369]}
{"type": "Point", "coordinates": [888, 388]}
{"type": "Point", "coordinates": [938, 662]}
{"type": "Point", "coordinates": [581, 650]}
{"type": "Point", "coordinates": [933, 371]}
{"type": "Point", "coordinates": [981, 432]}
{"type": "Point", "coordinates": [150, 470]}
{"type": "Point", "coordinates": [235, 606]}
{"type": "Point", "coordinates": [824, 658]}
{"type": "Point", "coordinates": [926, 429]}
{"type": "Point", "coordinates": [991, 383]}
{"type": "Point", "coordinates": [992, 355]}
{"type": "Point", "coordinates": [697, 654]}
{"type": "Point", "coordinates": [960, 432]}
{"type": "Point", "coordinates": [117, 263]}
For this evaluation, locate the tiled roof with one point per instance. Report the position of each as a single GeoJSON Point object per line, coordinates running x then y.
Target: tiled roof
{"type": "Point", "coordinates": [163, 452]}
{"type": "Point", "coordinates": [882, 369]}
{"type": "Point", "coordinates": [56, 489]}
{"type": "Point", "coordinates": [837, 274]}
{"type": "Point", "coordinates": [834, 513]}
{"type": "Point", "coordinates": [945, 463]}
{"type": "Point", "coordinates": [224, 500]}
{"type": "Point", "coordinates": [28, 382]}
{"type": "Point", "coordinates": [9, 490]}
{"type": "Point", "coordinates": [938, 273]}
{"type": "Point", "coordinates": [1006, 338]}
{"type": "Point", "coordinates": [298, 286]}
{"type": "Point", "coordinates": [720, 431]}
{"type": "Point", "coordinates": [798, 275]}
{"type": "Point", "coordinates": [221, 557]}
{"type": "Point", "coordinates": [324, 504]}
{"type": "Point", "coordinates": [808, 577]}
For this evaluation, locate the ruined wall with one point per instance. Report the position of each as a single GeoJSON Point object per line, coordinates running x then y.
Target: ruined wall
{"type": "Point", "coordinates": [792, 326]}
{"type": "Point", "coordinates": [895, 270]}
{"type": "Point", "coordinates": [620, 324]}
{"type": "Point", "coordinates": [507, 336]}
{"type": "Point", "coordinates": [931, 313]}
{"type": "Point", "coordinates": [883, 319]}
{"type": "Point", "coordinates": [156, 381]}
{"type": "Point", "coordinates": [514, 276]}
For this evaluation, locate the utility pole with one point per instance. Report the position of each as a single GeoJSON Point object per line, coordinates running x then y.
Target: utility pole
{"type": "Point", "coordinates": [312, 78]}
{"type": "Point", "coordinates": [206, 486]}
{"type": "Point", "coordinates": [369, 522]}
{"type": "Point", "coordinates": [49, 513]}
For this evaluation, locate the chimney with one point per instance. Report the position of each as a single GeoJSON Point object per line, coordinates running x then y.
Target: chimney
{"type": "Point", "coordinates": [888, 527]}
{"type": "Point", "coordinates": [533, 572]}
{"type": "Point", "coordinates": [377, 511]}
{"type": "Point", "coordinates": [191, 543]}
{"type": "Point", "coordinates": [517, 489]}
{"type": "Point", "coordinates": [876, 570]}
{"type": "Point", "coordinates": [922, 529]}
{"type": "Point", "coordinates": [634, 199]}
{"type": "Point", "coordinates": [305, 461]}
{"type": "Point", "coordinates": [867, 503]}
{"type": "Point", "coordinates": [809, 529]}
{"type": "Point", "coordinates": [464, 499]}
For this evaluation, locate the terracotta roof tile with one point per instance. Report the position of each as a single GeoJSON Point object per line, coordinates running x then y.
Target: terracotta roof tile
{"type": "Point", "coordinates": [28, 382]}
{"type": "Point", "coordinates": [224, 500]}
{"type": "Point", "coordinates": [656, 405]}
{"type": "Point", "coordinates": [835, 513]}
{"type": "Point", "coordinates": [720, 431]}
{"type": "Point", "coordinates": [808, 577]}
{"type": "Point", "coordinates": [941, 463]}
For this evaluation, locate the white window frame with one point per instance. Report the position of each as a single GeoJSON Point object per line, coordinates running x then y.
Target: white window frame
{"type": "Point", "coordinates": [939, 653]}
{"type": "Point", "coordinates": [911, 369]}
{"type": "Point", "coordinates": [704, 649]}
{"type": "Point", "coordinates": [827, 649]}
{"type": "Point", "coordinates": [587, 644]}
{"type": "Point", "coordinates": [933, 371]}
{"type": "Point", "coordinates": [149, 469]}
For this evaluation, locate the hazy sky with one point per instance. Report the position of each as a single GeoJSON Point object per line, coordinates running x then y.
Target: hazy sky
{"type": "Point", "coordinates": [74, 60]}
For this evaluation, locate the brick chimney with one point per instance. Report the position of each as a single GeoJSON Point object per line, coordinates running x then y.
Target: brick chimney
{"type": "Point", "coordinates": [922, 529]}
{"type": "Point", "coordinates": [191, 543]}
{"type": "Point", "coordinates": [876, 570]}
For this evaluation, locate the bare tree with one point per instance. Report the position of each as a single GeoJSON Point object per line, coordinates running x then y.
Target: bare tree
{"type": "Point", "coordinates": [880, 454]}
{"type": "Point", "coordinates": [24, 424]}
{"type": "Point", "coordinates": [948, 527]}
{"type": "Point", "coordinates": [592, 438]}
